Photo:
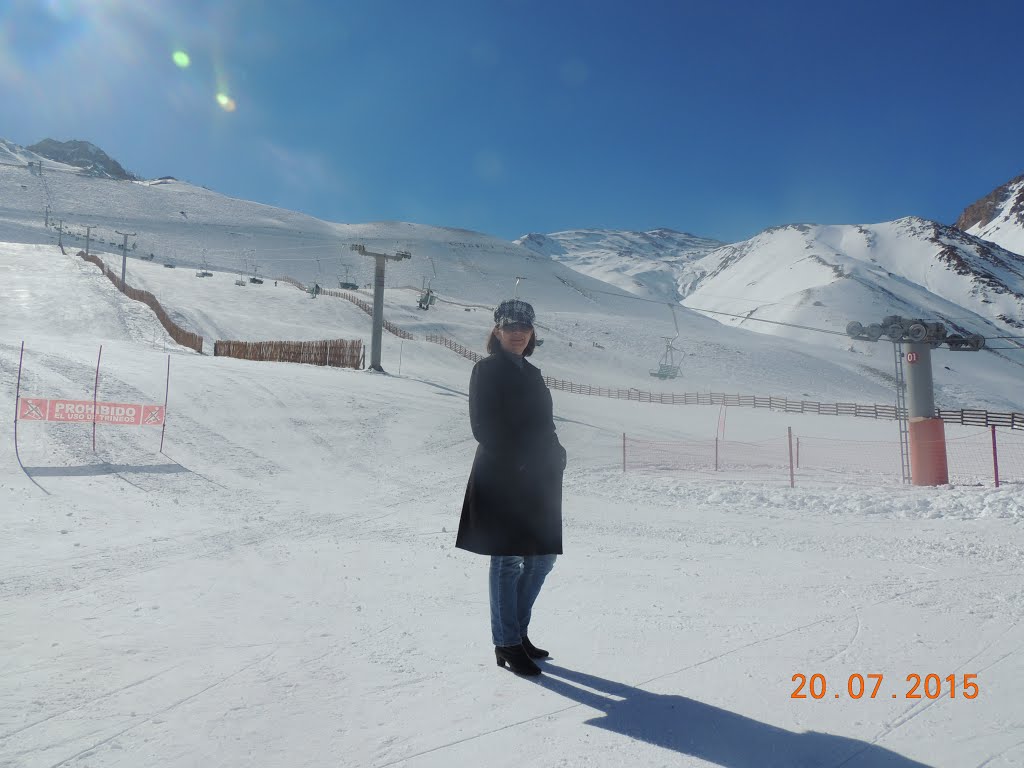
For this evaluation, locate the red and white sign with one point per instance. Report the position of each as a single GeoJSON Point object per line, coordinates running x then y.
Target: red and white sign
{"type": "Point", "coordinates": [83, 412]}
{"type": "Point", "coordinates": [105, 413]}
{"type": "Point", "coordinates": [152, 415]}
{"type": "Point", "coordinates": [912, 357]}
{"type": "Point", "coordinates": [33, 409]}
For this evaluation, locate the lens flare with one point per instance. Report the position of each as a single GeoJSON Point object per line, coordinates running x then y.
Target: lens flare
{"type": "Point", "coordinates": [226, 102]}
{"type": "Point", "coordinates": [181, 59]}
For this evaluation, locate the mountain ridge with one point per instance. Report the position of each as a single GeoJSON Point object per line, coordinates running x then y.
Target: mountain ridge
{"type": "Point", "coordinates": [83, 155]}
{"type": "Point", "coordinates": [998, 216]}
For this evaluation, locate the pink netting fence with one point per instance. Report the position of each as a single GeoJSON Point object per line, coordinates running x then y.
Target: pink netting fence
{"type": "Point", "coordinates": [987, 457]}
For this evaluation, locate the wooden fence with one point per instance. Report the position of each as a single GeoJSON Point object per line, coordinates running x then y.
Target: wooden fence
{"type": "Point", "coordinates": [176, 332]}
{"type": "Point", "coordinates": [292, 281]}
{"type": "Point", "coordinates": [336, 353]}
{"type": "Point", "coordinates": [456, 347]}
{"type": "Point", "coordinates": [368, 309]}
{"type": "Point", "coordinates": [968, 416]}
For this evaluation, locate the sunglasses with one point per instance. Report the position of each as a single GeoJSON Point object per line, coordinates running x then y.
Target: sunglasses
{"type": "Point", "coordinates": [513, 327]}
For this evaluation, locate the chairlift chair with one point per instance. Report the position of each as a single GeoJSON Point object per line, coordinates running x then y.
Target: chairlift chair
{"type": "Point", "coordinates": [427, 299]}
{"type": "Point", "coordinates": [668, 368]}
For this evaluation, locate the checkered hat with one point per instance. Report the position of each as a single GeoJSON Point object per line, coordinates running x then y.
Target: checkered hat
{"type": "Point", "coordinates": [513, 311]}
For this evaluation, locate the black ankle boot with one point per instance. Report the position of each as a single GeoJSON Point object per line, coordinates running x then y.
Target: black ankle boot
{"type": "Point", "coordinates": [532, 650]}
{"type": "Point", "coordinates": [516, 658]}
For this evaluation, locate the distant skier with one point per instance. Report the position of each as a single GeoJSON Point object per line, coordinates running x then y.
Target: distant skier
{"type": "Point", "coordinates": [513, 505]}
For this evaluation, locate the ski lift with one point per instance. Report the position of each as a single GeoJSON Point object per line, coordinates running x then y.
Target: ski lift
{"type": "Point", "coordinates": [346, 284]}
{"type": "Point", "coordinates": [204, 272]}
{"type": "Point", "coordinates": [427, 297]}
{"type": "Point", "coordinates": [668, 368]}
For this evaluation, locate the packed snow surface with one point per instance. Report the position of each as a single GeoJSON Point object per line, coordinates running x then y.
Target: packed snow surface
{"type": "Point", "coordinates": [280, 587]}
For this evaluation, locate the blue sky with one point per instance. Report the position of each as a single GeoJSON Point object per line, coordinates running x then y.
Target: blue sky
{"type": "Point", "coordinates": [516, 116]}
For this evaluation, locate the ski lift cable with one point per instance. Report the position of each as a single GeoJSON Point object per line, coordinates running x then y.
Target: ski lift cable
{"type": "Point", "coordinates": [727, 314]}
{"type": "Point", "coordinates": [771, 322]}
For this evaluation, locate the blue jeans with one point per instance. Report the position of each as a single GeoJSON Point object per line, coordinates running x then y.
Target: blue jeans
{"type": "Point", "coordinates": [515, 583]}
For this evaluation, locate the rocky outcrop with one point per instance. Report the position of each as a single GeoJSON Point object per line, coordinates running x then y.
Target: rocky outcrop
{"type": "Point", "coordinates": [81, 154]}
{"type": "Point", "coordinates": [988, 207]}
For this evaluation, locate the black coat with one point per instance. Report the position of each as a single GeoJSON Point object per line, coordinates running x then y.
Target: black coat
{"type": "Point", "coordinates": [513, 503]}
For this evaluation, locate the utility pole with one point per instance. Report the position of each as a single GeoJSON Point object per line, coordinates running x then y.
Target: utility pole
{"type": "Point", "coordinates": [378, 297]}
{"type": "Point", "coordinates": [88, 235]}
{"type": "Point", "coordinates": [47, 216]}
{"type": "Point", "coordinates": [124, 254]}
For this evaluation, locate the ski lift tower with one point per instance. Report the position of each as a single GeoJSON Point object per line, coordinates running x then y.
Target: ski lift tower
{"type": "Point", "coordinates": [124, 253]}
{"type": "Point", "coordinates": [922, 433]}
{"type": "Point", "coordinates": [380, 260]}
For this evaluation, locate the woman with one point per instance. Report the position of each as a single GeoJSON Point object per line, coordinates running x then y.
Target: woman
{"type": "Point", "coordinates": [513, 505]}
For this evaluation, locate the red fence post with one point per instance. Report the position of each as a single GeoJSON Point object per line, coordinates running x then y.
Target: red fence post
{"type": "Point", "coordinates": [17, 398]}
{"type": "Point", "coordinates": [95, 393]}
{"type": "Point", "coordinates": [995, 456]}
{"type": "Point", "coordinates": [790, 433]}
{"type": "Point", "coordinates": [167, 390]}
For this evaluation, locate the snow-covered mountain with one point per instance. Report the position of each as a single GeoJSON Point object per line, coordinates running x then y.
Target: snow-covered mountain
{"type": "Point", "coordinates": [999, 216]}
{"type": "Point", "coordinates": [824, 276]}
{"type": "Point", "coordinates": [643, 263]}
{"type": "Point", "coordinates": [814, 275]}
{"type": "Point", "coordinates": [81, 154]}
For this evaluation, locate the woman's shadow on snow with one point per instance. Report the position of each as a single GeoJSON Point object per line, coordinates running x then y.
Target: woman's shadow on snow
{"type": "Point", "coordinates": [709, 733]}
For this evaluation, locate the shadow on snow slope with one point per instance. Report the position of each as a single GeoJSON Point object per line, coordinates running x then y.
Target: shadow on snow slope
{"type": "Point", "coordinates": [710, 733]}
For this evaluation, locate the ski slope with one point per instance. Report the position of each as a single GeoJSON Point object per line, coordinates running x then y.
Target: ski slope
{"type": "Point", "coordinates": [280, 587]}
{"type": "Point", "coordinates": [616, 338]}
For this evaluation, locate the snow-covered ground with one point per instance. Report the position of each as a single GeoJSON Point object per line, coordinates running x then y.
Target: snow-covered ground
{"type": "Point", "coordinates": [280, 587]}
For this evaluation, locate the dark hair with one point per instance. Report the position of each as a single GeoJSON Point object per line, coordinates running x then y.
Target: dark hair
{"type": "Point", "coordinates": [494, 343]}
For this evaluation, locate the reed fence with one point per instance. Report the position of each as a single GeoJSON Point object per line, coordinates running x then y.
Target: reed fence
{"type": "Point", "coordinates": [335, 353]}
{"type": "Point", "coordinates": [175, 331]}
